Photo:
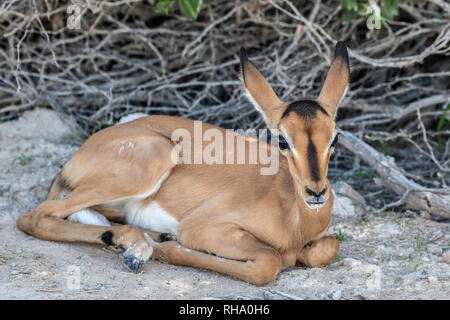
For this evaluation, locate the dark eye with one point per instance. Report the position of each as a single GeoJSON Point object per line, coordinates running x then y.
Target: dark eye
{"type": "Point", "coordinates": [282, 143]}
{"type": "Point", "coordinates": [333, 144]}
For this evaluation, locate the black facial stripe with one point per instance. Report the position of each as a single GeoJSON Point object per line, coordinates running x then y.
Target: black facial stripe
{"type": "Point", "coordinates": [313, 162]}
{"type": "Point", "coordinates": [306, 109]}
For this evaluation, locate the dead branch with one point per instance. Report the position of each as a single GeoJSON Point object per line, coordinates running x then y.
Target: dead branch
{"type": "Point", "coordinates": [415, 196]}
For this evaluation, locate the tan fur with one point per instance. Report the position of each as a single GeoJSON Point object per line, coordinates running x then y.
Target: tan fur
{"type": "Point", "coordinates": [254, 224]}
{"type": "Point", "coordinates": [335, 85]}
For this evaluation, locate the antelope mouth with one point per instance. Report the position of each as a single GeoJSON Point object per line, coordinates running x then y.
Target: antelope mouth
{"type": "Point", "coordinates": [315, 203]}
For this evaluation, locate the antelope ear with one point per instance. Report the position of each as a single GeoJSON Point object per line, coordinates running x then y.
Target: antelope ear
{"type": "Point", "coordinates": [336, 82]}
{"type": "Point", "coordinates": [259, 91]}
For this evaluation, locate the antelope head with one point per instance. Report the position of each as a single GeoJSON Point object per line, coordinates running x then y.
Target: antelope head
{"type": "Point", "coordinates": [306, 129]}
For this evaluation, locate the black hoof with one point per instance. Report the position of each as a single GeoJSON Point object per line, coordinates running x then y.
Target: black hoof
{"type": "Point", "coordinates": [133, 263]}
{"type": "Point", "coordinates": [163, 237]}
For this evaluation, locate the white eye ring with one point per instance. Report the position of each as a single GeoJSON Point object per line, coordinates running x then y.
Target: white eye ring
{"type": "Point", "coordinates": [330, 143]}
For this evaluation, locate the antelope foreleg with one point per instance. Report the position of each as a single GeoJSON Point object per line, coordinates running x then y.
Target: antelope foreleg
{"type": "Point", "coordinates": [319, 253]}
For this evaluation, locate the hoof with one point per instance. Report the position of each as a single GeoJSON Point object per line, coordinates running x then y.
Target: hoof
{"type": "Point", "coordinates": [163, 237]}
{"type": "Point", "coordinates": [133, 263]}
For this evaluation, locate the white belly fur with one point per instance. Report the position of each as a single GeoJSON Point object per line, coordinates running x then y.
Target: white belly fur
{"type": "Point", "coordinates": [151, 217]}
{"type": "Point", "coordinates": [89, 216]}
{"type": "Point", "coordinates": [86, 216]}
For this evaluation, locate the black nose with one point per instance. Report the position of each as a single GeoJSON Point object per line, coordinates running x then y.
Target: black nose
{"type": "Point", "coordinates": [314, 193]}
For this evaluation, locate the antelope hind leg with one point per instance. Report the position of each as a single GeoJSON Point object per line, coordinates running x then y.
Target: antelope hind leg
{"type": "Point", "coordinates": [48, 222]}
{"type": "Point", "coordinates": [91, 186]}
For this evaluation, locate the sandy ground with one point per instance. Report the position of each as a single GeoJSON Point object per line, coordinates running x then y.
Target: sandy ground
{"type": "Point", "coordinates": [387, 257]}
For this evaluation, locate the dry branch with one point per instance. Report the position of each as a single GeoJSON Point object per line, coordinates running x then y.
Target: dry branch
{"type": "Point", "coordinates": [415, 196]}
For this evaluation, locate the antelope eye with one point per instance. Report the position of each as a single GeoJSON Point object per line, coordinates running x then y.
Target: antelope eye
{"type": "Point", "coordinates": [282, 143]}
{"type": "Point", "coordinates": [333, 144]}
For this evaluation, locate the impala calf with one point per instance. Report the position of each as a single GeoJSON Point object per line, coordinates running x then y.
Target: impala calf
{"type": "Point", "coordinates": [122, 189]}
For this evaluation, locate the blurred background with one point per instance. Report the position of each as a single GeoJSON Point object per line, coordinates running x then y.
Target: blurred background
{"type": "Point", "coordinates": [97, 61]}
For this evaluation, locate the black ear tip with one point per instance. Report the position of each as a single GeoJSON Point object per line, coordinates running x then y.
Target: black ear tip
{"type": "Point", "coordinates": [243, 54]}
{"type": "Point", "coordinates": [341, 51]}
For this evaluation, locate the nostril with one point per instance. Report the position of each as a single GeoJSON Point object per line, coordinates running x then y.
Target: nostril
{"type": "Point", "coordinates": [314, 193]}
{"type": "Point", "coordinates": [310, 191]}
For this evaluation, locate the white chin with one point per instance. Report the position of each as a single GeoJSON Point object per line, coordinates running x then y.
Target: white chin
{"type": "Point", "coordinates": [314, 206]}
